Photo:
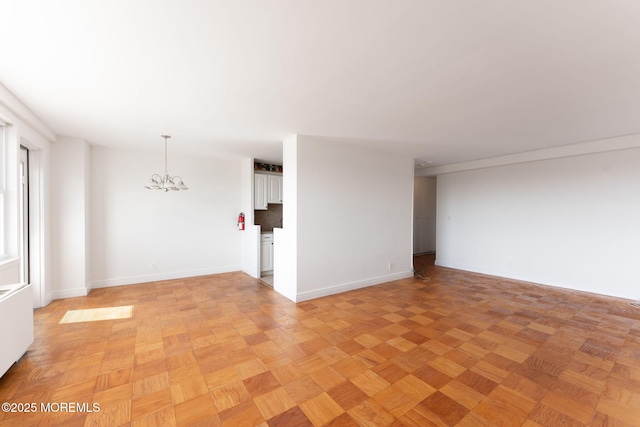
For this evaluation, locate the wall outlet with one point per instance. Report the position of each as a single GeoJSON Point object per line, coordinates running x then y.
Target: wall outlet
{"type": "Point", "coordinates": [154, 266]}
{"type": "Point", "coordinates": [390, 266]}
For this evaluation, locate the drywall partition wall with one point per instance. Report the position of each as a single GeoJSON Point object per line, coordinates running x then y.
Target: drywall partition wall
{"type": "Point", "coordinates": [352, 216]}
{"type": "Point", "coordinates": [285, 239]}
{"type": "Point", "coordinates": [139, 235]}
{"type": "Point", "coordinates": [70, 182]}
{"type": "Point", "coordinates": [250, 236]}
{"type": "Point", "coordinates": [569, 222]}
{"type": "Point", "coordinates": [87, 215]}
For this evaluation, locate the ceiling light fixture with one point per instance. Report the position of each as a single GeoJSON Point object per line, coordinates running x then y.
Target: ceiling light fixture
{"type": "Point", "coordinates": [165, 182]}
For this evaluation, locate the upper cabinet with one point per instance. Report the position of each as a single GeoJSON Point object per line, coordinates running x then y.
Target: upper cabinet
{"type": "Point", "coordinates": [260, 191]}
{"type": "Point", "coordinates": [267, 189]}
{"type": "Point", "coordinates": [275, 189]}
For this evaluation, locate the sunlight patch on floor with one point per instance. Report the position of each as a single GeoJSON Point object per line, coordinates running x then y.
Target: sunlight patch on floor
{"type": "Point", "coordinates": [94, 314]}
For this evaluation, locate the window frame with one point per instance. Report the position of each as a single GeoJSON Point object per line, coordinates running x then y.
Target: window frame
{"type": "Point", "coordinates": [3, 173]}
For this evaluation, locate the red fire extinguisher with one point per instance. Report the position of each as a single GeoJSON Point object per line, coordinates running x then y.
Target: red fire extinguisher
{"type": "Point", "coordinates": [241, 221]}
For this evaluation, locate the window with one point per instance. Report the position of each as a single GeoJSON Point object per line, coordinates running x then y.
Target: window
{"type": "Point", "coordinates": [8, 195]}
{"type": "Point", "coordinates": [2, 180]}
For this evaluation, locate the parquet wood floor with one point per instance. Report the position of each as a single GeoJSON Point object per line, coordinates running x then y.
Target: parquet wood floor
{"type": "Point", "coordinates": [225, 350]}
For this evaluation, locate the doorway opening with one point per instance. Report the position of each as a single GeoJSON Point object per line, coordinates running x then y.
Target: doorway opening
{"type": "Point", "coordinates": [31, 232]}
{"type": "Point", "coordinates": [424, 225]}
{"type": "Point", "coordinates": [424, 215]}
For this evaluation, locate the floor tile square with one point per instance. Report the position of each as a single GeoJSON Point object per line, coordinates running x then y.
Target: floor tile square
{"type": "Point", "coordinates": [321, 409]}
{"type": "Point", "coordinates": [371, 413]}
{"type": "Point", "coordinates": [303, 389]}
{"type": "Point", "coordinates": [292, 417]}
{"type": "Point", "coordinates": [195, 410]}
{"type": "Point", "coordinates": [327, 378]}
{"type": "Point", "coordinates": [274, 403]}
{"type": "Point", "coordinates": [444, 407]}
{"type": "Point", "coordinates": [230, 395]}
{"type": "Point", "coordinates": [347, 395]}
{"type": "Point", "coordinates": [395, 401]}
{"type": "Point", "coordinates": [370, 382]}
{"type": "Point", "coordinates": [261, 383]}
{"type": "Point", "coordinates": [244, 414]}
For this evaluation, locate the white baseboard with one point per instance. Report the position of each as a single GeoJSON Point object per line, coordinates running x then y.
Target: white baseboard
{"type": "Point", "coordinates": [540, 280]}
{"type": "Point", "coordinates": [252, 272]}
{"type": "Point", "coordinates": [503, 274]}
{"type": "Point", "coordinates": [68, 293]}
{"type": "Point", "coordinates": [488, 272]}
{"type": "Point", "coordinates": [132, 280]}
{"type": "Point", "coordinates": [331, 290]}
{"type": "Point", "coordinates": [290, 295]}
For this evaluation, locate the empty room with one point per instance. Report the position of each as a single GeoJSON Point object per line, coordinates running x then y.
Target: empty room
{"type": "Point", "coordinates": [305, 213]}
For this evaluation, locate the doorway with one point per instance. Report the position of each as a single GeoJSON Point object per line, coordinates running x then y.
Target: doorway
{"type": "Point", "coordinates": [424, 215]}
{"type": "Point", "coordinates": [31, 222]}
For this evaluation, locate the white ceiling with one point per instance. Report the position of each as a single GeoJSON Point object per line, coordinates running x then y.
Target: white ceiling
{"type": "Point", "coordinates": [444, 81]}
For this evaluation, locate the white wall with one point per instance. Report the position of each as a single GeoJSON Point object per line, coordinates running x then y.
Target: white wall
{"type": "Point", "coordinates": [285, 240]}
{"type": "Point", "coordinates": [571, 222]}
{"type": "Point", "coordinates": [184, 233]}
{"type": "Point", "coordinates": [351, 216]}
{"type": "Point", "coordinates": [250, 236]}
{"type": "Point", "coordinates": [70, 181]}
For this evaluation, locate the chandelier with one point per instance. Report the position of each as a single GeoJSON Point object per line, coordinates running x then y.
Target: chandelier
{"type": "Point", "coordinates": [165, 182]}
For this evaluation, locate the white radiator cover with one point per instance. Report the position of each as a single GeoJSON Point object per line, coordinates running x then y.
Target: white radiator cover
{"type": "Point", "coordinates": [16, 324]}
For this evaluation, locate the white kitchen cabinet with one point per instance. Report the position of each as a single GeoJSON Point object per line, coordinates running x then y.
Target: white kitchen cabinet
{"type": "Point", "coordinates": [267, 189]}
{"type": "Point", "coordinates": [275, 188]}
{"type": "Point", "coordinates": [266, 252]}
{"type": "Point", "coordinates": [260, 191]}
